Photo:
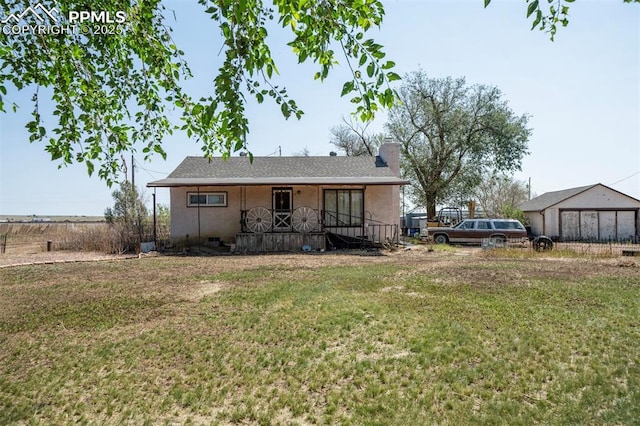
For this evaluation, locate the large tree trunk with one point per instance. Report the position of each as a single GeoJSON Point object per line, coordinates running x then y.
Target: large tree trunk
{"type": "Point", "coordinates": [431, 208]}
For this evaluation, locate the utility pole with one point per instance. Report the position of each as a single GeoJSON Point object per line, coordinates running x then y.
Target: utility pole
{"type": "Point", "coordinates": [529, 187]}
{"type": "Point", "coordinates": [135, 201]}
{"type": "Point", "coordinates": [124, 167]}
{"type": "Point", "coordinates": [155, 225]}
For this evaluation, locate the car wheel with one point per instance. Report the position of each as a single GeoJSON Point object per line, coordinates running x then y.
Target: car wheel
{"type": "Point", "coordinates": [499, 241]}
{"type": "Point", "coordinates": [441, 239]}
{"type": "Point", "coordinates": [543, 244]}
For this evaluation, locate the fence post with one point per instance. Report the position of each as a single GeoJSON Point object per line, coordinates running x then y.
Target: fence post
{"type": "Point", "coordinates": [155, 225]}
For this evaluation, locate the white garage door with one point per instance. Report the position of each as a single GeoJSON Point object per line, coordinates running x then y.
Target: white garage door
{"type": "Point", "coordinates": [591, 225]}
{"type": "Point", "coordinates": [626, 225]}
{"type": "Point", "coordinates": [607, 227]}
{"type": "Point", "coordinates": [570, 221]}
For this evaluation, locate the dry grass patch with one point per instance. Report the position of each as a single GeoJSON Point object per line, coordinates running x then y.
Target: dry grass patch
{"type": "Point", "coordinates": [408, 338]}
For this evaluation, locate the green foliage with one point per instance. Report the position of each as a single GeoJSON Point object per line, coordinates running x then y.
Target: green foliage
{"type": "Point", "coordinates": [556, 13]}
{"type": "Point", "coordinates": [108, 90]}
{"type": "Point", "coordinates": [164, 213]}
{"type": "Point", "coordinates": [512, 212]}
{"type": "Point", "coordinates": [129, 208]}
{"type": "Point", "coordinates": [163, 221]}
{"type": "Point", "coordinates": [127, 217]}
{"type": "Point", "coordinates": [111, 92]}
{"type": "Point", "coordinates": [453, 134]}
{"type": "Point", "coordinates": [499, 195]}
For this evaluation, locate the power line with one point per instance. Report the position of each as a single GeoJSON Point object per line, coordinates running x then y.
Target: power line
{"type": "Point", "coordinates": [152, 171]}
{"type": "Point", "coordinates": [149, 172]}
{"type": "Point", "coordinates": [277, 151]}
{"type": "Point", "coordinates": [623, 179]}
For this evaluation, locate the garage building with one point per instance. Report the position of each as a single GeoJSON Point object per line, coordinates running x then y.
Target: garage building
{"type": "Point", "coordinates": [587, 213]}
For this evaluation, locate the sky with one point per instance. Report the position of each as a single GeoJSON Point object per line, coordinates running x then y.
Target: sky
{"type": "Point", "coordinates": [581, 91]}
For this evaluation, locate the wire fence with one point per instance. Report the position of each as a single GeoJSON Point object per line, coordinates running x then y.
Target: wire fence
{"type": "Point", "coordinates": [587, 248]}
{"type": "Point", "coordinates": [597, 248]}
{"type": "Point", "coordinates": [600, 248]}
{"type": "Point", "coordinates": [25, 238]}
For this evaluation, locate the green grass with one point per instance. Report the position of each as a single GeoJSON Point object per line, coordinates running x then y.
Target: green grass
{"type": "Point", "coordinates": [499, 341]}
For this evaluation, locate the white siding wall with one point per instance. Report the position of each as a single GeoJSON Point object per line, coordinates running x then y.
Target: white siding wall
{"type": "Point", "coordinates": [536, 222]}
{"type": "Point", "coordinates": [552, 222]}
{"type": "Point", "coordinates": [599, 197]}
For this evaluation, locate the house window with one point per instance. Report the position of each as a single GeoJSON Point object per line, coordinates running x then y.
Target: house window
{"type": "Point", "coordinates": [207, 199]}
{"type": "Point", "coordinates": [343, 207]}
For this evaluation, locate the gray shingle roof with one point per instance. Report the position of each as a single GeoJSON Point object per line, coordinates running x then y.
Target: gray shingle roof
{"type": "Point", "coordinates": [548, 199]}
{"type": "Point", "coordinates": [279, 171]}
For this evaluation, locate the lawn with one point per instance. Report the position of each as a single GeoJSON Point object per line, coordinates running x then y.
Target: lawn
{"type": "Point", "coordinates": [448, 337]}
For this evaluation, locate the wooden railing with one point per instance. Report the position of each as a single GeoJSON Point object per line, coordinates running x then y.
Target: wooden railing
{"type": "Point", "coordinates": [346, 231]}
{"type": "Point", "coordinates": [343, 230]}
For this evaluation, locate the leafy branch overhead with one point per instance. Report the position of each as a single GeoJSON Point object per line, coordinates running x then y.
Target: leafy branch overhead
{"type": "Point", "coordinates": [549, 16]}
{"type": "Point", "coordinates": [107, 91]}
{"type": "Point", "coordinates": [113, 93]}
{"type": "Point", "coordinates": [317, 28]}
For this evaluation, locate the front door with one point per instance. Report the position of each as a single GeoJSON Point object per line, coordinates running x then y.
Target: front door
{"type": "Point", "coordinates": [282, 206]}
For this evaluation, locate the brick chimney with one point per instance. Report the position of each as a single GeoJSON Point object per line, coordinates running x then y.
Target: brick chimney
{"type": "Point", "coordinates": [390, 153]}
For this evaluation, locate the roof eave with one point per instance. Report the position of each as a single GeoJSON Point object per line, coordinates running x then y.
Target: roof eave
{"type": "Point", "coordinates": [182, 182]}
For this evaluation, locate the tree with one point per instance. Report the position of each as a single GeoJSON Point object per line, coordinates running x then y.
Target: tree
{"type": "Point", "coordinates": [128, 215]}
{"type": "Point", "coordinates": [498, 195]}
{"type": "Point", "coordinates": [354, 140]}
{"type": "Point", "coordinates": [128, 208]}
{"type": "Point", "coordinates": [304, 152]}
{"type": "Point", "coordinates": [452, 134]}
{"type": "Point", "coordinates": [112, 91]}
{"type": "Point", "coordinates": [163, 221]}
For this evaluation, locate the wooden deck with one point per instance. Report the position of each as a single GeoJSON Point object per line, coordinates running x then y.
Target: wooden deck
{"type": "Point", "coordinates": [247, 242]}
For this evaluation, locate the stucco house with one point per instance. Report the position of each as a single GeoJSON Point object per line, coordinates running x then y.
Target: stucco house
{"type": "Point", "coordinates": [587, 213]}
{"type": "Point", "coordinates": [286, 203]}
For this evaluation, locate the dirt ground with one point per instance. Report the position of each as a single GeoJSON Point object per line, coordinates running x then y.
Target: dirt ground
{"type": "Point", "coordinates": [15, 259]}
{"type": "Point", "coordinates": [239, 261]}
{"type": "Point", "coordinates": [419, 256]}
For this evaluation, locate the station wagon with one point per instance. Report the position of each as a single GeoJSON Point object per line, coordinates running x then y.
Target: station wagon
{"type": "Point", "coordinates": [475, 231]}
